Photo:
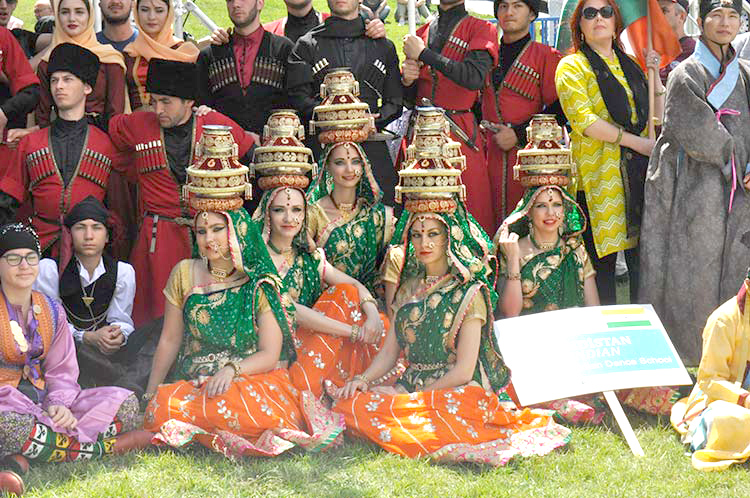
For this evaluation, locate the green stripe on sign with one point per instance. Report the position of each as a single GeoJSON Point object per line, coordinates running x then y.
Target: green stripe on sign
{"type": "Point", "coordinates": [617, 325]}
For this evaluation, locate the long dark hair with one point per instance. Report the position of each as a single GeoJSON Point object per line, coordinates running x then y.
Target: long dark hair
{"type": "Point", "coordinates": [576, 34]}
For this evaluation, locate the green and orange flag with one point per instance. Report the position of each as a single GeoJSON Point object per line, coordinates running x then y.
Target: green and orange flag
{"type": "Point", "coordinates": [635, 18]}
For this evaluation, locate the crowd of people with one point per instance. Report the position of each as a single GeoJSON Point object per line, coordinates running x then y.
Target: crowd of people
{"type": "Point", "coordinates": [182, 264]}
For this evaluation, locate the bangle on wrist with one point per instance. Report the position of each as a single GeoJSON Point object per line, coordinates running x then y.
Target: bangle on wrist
{"type": "Point", "coordinates": [362, 378]}
{"type": "Point", "coordinates": [356, 332]}
{"type": "Point", "coordinates": [234, 366]}
{"type": "Point", "coordinates": [660, 93]}
{"type": "Point", "coordinates": [148, 396]}
{"type": "Point", "coordinates": [619, 136]}
{"type": "Point", "coordinates": [368, 299]}
{"type": "Point", "coordinates": [513, 275]}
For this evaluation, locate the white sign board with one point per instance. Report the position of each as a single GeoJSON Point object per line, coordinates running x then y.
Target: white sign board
{"type": "Point", "coordinates": [565, 353]}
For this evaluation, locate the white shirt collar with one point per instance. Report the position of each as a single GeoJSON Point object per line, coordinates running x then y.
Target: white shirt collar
{"type": "Point", "coordinates": [98, 272]}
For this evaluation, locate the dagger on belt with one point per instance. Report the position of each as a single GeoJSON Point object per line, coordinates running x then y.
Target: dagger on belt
{"type": "Point", "coordinates": [460, 133]}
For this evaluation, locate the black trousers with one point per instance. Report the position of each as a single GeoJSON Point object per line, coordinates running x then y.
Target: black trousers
{"type": "Point", "coordinates": [605, 267]}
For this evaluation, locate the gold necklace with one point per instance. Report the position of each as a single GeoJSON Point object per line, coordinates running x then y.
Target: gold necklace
{"type": "Point", "coordinates": [88, 298]}
{"type": "Point", "coordinates": [543, 246]}
{"type": "Point", "coordinates": [432, 279]}
{"type": "Point", "coordinates": [344, 209]}
{"type": "Point", "coordinates": [220, 274]}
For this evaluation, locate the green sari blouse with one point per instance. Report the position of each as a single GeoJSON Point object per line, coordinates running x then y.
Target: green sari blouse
{"type": "Point", "coordinates": [221, 319]}
{"type": "Point", "coordinates": [552, 279]}
{"type": "Point", "coordinates": [355, 245]}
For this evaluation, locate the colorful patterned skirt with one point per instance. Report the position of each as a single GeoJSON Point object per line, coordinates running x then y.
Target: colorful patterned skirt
{"type": "Point", "coordinates": [260, 414]}
{"type": "Point", "coordinates": [591, 408]}
{"type": "Point", "coordinates": [322, 357]}
{"type": "Point", "coordinates": [463, 424]}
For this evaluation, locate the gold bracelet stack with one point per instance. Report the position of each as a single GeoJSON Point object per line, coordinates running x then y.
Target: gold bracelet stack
{"type": "Point", "coordinates": [363, 378]}
{"type": "Point", "coordinates": [235, 367]}
{"type": "Point", "coordinates": [356, 333]}
{"type": "Point", "coordinates": [513, 276]}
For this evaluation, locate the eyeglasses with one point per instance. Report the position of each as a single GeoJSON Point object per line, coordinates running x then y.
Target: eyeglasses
{"type": "Point", "coordinates": [606, 12]}
{"type": "Point", "coordinates": [31, 258]}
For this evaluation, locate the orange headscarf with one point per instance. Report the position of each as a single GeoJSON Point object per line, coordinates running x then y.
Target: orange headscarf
{"type": "Point", "coordinates": [161, 47]}
{"type": "Point", "coordinates": [106, 53]}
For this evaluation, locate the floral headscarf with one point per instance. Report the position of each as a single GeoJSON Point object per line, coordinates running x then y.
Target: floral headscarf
{"type": "Point", "coordinates": [574, 220]}
{"type": "Point", "coordinates": [251, 260]}
{"type": "Point", "coordinates": [302, 242]}
{"type": "Point", "coordinates": [367, 189]}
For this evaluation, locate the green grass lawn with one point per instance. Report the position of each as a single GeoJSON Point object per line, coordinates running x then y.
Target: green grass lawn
{"type": "Point", "coordinates": [596, 463]}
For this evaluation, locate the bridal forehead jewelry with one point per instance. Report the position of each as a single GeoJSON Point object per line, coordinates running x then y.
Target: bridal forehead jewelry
{"type": "Point", "coordinates": [204, 215]}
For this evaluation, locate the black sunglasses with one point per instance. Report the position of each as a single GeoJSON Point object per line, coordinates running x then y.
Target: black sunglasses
{"type": "Point", "coordinates": [606, 12]}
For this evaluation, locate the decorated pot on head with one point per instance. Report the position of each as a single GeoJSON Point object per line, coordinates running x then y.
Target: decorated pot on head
{"type": "Point", "coordinates": [341, 116]}
{"type": "Point", "coordinates": [283, 163]}
{"type": "Point", "coordinates": [430, 176]}
{"type": "Point", "coordinates": [544, 160]}
{"type": "Point", "coordinates": [283, 159]}
{"type": "Point", "coordinates": [217, 181]}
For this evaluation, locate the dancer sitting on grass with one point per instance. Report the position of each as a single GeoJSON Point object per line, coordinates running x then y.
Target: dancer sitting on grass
{"type": "Point", "coordinates": [228, 334]}
{"type": "Point", "coordinates": [450, 404]}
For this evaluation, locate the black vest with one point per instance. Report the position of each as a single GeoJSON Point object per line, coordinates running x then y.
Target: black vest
{"type": "Point", "coordinates": [102, 290]}
{"type": "Point", "coordinates": [249, 107]}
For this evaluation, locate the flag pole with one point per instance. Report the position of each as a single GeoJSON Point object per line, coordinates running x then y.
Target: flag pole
{"type": "Point", "coordinates": [411, 15]}
{"type": "Point", "coordinates": [651, 75]}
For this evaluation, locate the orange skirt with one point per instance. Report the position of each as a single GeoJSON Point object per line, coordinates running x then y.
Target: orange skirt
{"type": "Point", "coordinates": [260, 414]}
{"type": "Point", "coordinates": [464, 424]}
{"type": "Point", "coordinates": [321, 356]}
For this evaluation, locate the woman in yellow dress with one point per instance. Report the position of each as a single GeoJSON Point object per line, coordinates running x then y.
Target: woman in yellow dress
{"type": "Point", "coordinates": [604, 95]}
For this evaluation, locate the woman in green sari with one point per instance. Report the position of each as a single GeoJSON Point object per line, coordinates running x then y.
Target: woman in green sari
{"type": "Point", "coordinates": [543, 262]}
{"type": "Point", "coordinates": [544, 266]}
{"type": "Point", "coordinates": [227, 337]}
{"type": "Point", "coordinates": [346, 216]}
{"type": "Point", "coordinates": [339, 330]}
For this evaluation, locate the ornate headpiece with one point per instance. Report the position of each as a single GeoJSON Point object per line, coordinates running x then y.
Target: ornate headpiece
{"type": "Point", "coordinates": [544, 160]}
{"type": "Point", "coordinates": [430, 176]}
{"type": "Point", "coordinates": [342, 117]}
{"type": "Point", "coordinates": [283, 160]}
{"type": "Point", "coordinates": [217, 181]}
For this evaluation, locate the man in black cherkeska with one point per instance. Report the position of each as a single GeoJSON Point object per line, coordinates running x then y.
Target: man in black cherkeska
{"type": "Point", "coordinates": [244, 77]}
{"type": "Point", "coordinates": [341, 42]}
